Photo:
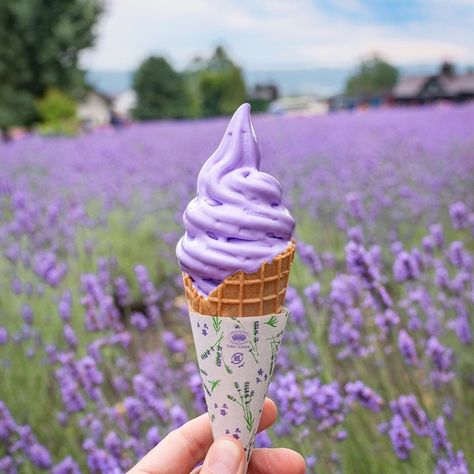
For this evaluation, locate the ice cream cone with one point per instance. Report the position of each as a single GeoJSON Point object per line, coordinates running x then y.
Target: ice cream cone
{"type": "Point", "coordinates": [237, 331]}
{"type": "Point", "coordinates": [246, 294]}
{"type": "Point", "coordinates": [236, 224]}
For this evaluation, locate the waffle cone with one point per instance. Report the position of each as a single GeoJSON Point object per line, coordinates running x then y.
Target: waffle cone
{"type": "Point", "coordinates": [246, 294]}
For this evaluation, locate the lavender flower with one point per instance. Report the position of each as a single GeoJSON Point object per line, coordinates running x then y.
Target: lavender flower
{"type": "Point", "coordinates": [357, 391]}
{"type": "Point", "coordinates": [455, 464]}
{"type": "Point", "coordinates": [27, 314]}
{"type": "Point", "coordinates": [263, 440]}
{"type": "Point", "coordinates": [405, 267]}
{"type": "Point", "coordinates": [407, 348]}
{"type": "Point", "coordinates": [400, 437]}
{"type": "Point", "coordinates": [459, 215]}
{"type": "Point", "coordinates": [66, 466]}
{"type": "Point", "coordinates": [3, 336]}
{"type": "Point", "coordinates": [70, 336]}
{"type": "Point", "coordinates": [174, 343]}
{"type": "Point", "coordinates": [439, 437]}
{"type": "Point", "coordinates": [310, 258]}
{"type": "Point", "coordinates": [64, 306]}
{"type": "Point", "coordinates": [122, 291]}
{"type": "Point", "coordinates": [139, 321]}
{"type": "Point", "coordinates": [39, 456]}
{"type": "Point", "coordinates": [8, 465]}
{"type": "Point", "coordinates": [7, 423]}
{"type": "Point", "coordinates": [313, 293]}
{"type": "Point", "coordinates": [153, 437]}
{"type": "Point", "coordinates": [408, 408]}
{"type": "Point", "coordinates": [387, 320]}
{"type": "Point", "coordinates": [325, 402]}
{"type": "Point", "coordinates": [436, 231]}
{"type": "Point", "coordinates": [442, 358]}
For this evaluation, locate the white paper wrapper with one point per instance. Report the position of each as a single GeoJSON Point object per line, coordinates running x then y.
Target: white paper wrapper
{"type": "Point", "coordinates": [236, 358]}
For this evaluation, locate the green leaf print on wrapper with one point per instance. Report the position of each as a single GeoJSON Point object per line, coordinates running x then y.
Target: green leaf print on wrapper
{"type": "Point", "coordinates": [214, 384]}
{"type": "Point", "coordinates": [245, 399]}
{"type": "Point", "coordinates": [273, 321]}
{"type": "Point", "coordinates": [204, 386]}
{"type": "Point", "coordinates": [274, 345]}
{"type": "Point", "coordinates": [205, 354]}
{"type": "Point", "coordinates": [216, 323]}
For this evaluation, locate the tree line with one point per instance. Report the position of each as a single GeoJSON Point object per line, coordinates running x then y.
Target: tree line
{"type": "Point", "coordinates": [208, 87]}
{"type": "Point", "coordinates": [41, 81]}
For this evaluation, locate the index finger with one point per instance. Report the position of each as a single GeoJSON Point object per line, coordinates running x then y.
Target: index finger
{"type": "Point", "coordinates": [185, 447]}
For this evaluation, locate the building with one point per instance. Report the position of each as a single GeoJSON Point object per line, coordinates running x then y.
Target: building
{"type": "Point", "coordinates": [124, 103]}
{"type": "Point", "coordinates": [264, 92]}
{"type": "Point", "coordinates": [444, 86]}
{"type": "Point", "coordinates": [94, 110]}
{"type": "Point", "coordinates": [299, 105]}
{"type": "Point", "coordinates": [359, 102]}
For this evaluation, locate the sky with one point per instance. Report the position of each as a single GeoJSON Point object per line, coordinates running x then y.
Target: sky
{"type": "Point", "coordinates": [266, 34]}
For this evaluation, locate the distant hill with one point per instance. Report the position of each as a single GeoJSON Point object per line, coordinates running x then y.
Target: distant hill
{"type": "Point", "coordinates": [110, 82]}
{"type": "Point", "coordinates": [304, 81]}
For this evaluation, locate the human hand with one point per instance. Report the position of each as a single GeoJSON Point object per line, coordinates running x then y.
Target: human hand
{"type": "Point", "coordinates": [185, 447]}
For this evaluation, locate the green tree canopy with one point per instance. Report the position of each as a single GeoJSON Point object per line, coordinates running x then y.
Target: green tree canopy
{"type": "Point", "coordinates": [57, 112]}
{"type": "Point", "coordinates": [161, 91]}
{"type": "Point", "coordinates": [373, 76]}
{"type": "Point", "coordinates": [221, 86]}
{"type": "Point", "coordinates": [40, 42]}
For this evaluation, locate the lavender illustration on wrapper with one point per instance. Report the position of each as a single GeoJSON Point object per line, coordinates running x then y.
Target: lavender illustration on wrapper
{"type": "Point", "coordinates": [235, 391]}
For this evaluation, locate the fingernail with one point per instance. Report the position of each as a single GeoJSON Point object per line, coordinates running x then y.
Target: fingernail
{"type": "Point", "coordinates": [224, 457]}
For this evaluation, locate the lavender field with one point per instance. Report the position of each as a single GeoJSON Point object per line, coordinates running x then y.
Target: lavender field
{"type": "Point", "coordinates": [376, 371]}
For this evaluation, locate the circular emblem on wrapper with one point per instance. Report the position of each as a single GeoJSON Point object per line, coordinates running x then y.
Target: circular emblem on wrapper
{"type": "Point", "coordinates": [237, 358]}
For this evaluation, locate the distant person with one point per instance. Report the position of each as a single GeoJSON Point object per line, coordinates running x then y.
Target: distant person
{"type": "Point", "coordinates": [115, 120]}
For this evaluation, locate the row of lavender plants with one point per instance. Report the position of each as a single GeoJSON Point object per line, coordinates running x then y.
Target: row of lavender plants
{"type": "Point", "coordinates": [376, 371]}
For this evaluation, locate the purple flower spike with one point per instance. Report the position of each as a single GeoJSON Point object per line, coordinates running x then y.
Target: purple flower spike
{"type": "Point", "coordinates": [407, 347]}
{"type": "Point", "coordinates": [400, 437]}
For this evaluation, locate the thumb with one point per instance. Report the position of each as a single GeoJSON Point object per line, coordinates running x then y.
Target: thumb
{"type": "Point", "coordinates": [225, 456]}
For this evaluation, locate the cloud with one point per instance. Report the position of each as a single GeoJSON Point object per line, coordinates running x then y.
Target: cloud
{"type": "Point", "coordinates": [279, 33]}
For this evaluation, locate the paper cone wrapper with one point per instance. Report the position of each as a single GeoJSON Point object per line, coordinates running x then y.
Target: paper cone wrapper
{"type": "Point", "coordinates": [236, 357]}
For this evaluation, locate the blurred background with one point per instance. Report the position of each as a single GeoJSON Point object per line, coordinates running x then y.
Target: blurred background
{"type": "Point", "coordinates": [73, 66]}
{"type": "Point", "coordinates": [364, 113]}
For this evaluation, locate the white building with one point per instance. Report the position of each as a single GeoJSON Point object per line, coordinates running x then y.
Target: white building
{"type": "Point", "coordinates": [94, 109]}
{"type": "Point", "coordinates": [124, 103]}
{"type": "Point", "coordinates": [300, 105]}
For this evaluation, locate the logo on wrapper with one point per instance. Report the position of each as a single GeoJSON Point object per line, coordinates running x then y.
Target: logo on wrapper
{"type": "Point", "coordinates": [237, 358]}
{"type": "Point", "coordinates": [238, 338]}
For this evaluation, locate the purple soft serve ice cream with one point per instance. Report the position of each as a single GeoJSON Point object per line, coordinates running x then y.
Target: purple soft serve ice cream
{"type": "Point", "coordinates": [237, 221]}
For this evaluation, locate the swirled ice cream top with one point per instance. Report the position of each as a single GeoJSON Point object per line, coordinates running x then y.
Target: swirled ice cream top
{"type": "Point", "coordinates": [237, 221]}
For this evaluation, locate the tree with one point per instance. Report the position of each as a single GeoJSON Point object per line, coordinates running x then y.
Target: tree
{"type": "Point", "coordinates": [161, 91]}
{"type": "Point", "coordinates": [373, 76]}
{"type": "Point", "coordinates": [221, 85]}
{"type": "Point", "coordinates": [40, 42]}
{"type": "Point", "coordinates": [58, 113]}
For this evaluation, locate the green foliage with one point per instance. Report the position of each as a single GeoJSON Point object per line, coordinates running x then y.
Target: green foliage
{"type": "Point", "coordinates": [221, 85]}
{"type": "Point", "coordinates": [40, 42]}
{"type": "Point", "coordinates": [259, 105]}
{"type": "Point", "coordinates": [16, 107]}
{"type": "Point", "coordinates": [161, 91]}
{"type": "Point", "coordinates": [373, 76]}
{"type": "Point", "coordinates": [57, 112]}
{"type": "Point", "coordinates": [208, 87]}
